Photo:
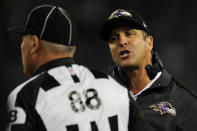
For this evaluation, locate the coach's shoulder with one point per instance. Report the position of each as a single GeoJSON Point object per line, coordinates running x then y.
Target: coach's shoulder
{"type": "Point", "coordinates": [186, 92]}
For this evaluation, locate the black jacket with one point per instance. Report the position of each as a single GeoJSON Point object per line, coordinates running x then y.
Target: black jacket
{"type": "Point", "coordinates": [167, 105]}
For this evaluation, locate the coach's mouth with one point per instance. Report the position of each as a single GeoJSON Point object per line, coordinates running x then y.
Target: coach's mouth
{"type": "Point", "coordinates": [124, 54]}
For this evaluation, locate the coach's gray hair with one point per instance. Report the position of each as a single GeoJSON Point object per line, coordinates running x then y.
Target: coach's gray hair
{"type": "Point", "coordinates": [56, 48]}
{"type": "Point", "coordinates": [144, 34]}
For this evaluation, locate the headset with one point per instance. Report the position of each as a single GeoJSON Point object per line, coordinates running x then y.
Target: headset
{"type": "Point", "coordinates": [157, 65]}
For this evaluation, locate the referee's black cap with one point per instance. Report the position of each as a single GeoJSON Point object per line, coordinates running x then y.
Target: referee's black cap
{"type": "Point", "coordinates": [49, 23]}
{"type": "Point", "coordinates": [121, 18]}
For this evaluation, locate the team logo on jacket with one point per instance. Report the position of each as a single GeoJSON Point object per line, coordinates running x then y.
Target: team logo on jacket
{"type": "Point", "coordinates": [164, 107]}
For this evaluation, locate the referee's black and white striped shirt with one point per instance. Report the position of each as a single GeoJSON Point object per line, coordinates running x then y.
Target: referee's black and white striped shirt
{"type": "Point", "coordinates": [63, 96]}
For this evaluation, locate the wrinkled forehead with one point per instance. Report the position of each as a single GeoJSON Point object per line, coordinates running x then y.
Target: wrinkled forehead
{"type": "Point", "coordinates": [123, 29]}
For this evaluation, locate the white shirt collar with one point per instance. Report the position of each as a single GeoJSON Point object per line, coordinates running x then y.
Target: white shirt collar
{"type": "Point", "coordinates": [148, 86]}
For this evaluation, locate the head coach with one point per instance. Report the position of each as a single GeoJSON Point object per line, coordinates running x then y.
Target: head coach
{"type": "Point", "coordinates": [167, 104]}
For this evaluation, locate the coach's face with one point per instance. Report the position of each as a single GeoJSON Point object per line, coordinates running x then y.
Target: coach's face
{"type": "Point", "coordinates": [27, 58]}
{"type": "Point", "coordinates": [129, 47]}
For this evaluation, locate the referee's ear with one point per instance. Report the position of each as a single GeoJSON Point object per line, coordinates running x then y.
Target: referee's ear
{"type": "Point", "coordinates": [36, 44]}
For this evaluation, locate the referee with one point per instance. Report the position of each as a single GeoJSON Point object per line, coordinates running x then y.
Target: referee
{"type": "Point", "coordinates": [61, 95]}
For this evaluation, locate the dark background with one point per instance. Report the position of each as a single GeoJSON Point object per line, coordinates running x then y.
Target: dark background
{"type": "Point", "coordinates": [172, 23]}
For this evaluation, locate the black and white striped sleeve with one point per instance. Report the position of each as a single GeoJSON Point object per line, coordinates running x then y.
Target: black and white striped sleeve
{"type": "Point", "coordinates": [21, 107]}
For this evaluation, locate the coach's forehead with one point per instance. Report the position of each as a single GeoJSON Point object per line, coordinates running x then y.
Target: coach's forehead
{"type": "Point", "coordinates": [123, 29]}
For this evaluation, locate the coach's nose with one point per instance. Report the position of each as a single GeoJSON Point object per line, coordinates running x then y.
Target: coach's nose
{"type": "Point", "coordinates": [122, 40]}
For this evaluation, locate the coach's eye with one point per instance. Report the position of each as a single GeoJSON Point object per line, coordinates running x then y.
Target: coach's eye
{"type": "Point", "coordinates": [113, 38]}
{"type": "Point", "coordinates": [128, 33]}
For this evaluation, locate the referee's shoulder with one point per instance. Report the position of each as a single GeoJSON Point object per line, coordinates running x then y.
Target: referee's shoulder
{"type": "Point", "coordinates": [90, 71]}
{"type": "Point", "coordinates": [98, 74]}
{"type": "Point", "coordinates": [27, 86]}
{"type": "Point", "coordinates": [29, 90]}
{"type": "Point", "coordinates": [107, 78]}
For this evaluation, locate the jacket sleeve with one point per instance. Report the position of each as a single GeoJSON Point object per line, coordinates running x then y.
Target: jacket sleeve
{"type": "Point", "coordinates": [190, 119]}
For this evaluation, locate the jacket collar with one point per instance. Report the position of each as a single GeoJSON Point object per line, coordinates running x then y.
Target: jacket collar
{"type": "Point", "coordinates": [54, 63]}
{"type": "Point", "coordinates": [163, 81]}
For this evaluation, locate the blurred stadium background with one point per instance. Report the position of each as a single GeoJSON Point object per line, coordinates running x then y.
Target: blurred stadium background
{"type": "Point", "coordinates": [172, 23]}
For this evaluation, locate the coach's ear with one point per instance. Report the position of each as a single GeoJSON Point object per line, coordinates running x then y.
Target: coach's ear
{"type": "Point", "coordinates": [149, 40]}
{"type": "Point", "coordinates": [36, 44]}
